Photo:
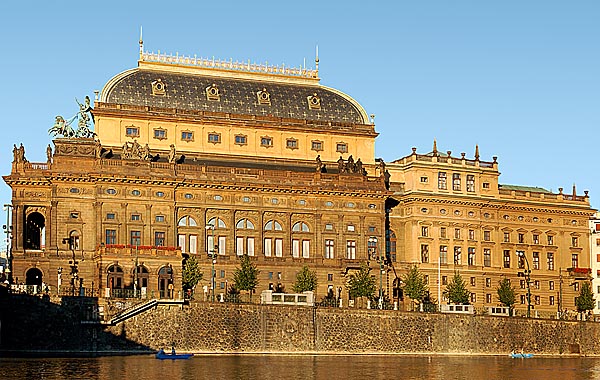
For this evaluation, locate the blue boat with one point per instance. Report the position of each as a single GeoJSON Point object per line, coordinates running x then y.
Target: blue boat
{"type": "Point", "coordinates": [161, 354]}
{"type": "Point", "coordinates": [515, 355]}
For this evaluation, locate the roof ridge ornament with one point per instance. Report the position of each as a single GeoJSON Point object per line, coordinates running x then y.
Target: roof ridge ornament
{"type": "Point", "coordinates": [228, 65]}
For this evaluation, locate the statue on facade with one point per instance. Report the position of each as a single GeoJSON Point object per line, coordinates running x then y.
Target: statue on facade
{"type": "Point", "coordinates": [172, 154]}
{"type": "Point", "coordinates": [341, 165]}
{"type": "Point", "coordinates": [319, 167]}
{"type": "Point", "coordinates": [350, 168]}
{"type": "Point", "coordinates": [359, 167]}
{"type": "Point", "coordinates": [49, 153]}
{"type": "Point", "coordinates": [21, 154]}
{"type": "Point", "coordinates": [85, 119]}
{"type": "Point", "coordinates": [146, 153]}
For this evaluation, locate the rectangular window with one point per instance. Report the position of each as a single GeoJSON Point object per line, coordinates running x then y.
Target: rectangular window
{"type": "Point", "coordinates": [193, 244]}
{"type": "Point", "coordinates": [329, 276]}
{"type": "Point", "coordinates": [551, 300]}
{"type": "Point", "coordinates": [575, 260]}
{"type": "Point", "coordinates": [574, 241]}
{"type": "Point", "coordinates": [291, 144]}
{"type": "Point", "coordinates": [487, 257]}
{"type": "Point", "coordinates": [473, 298]}
{"type": "Point", "coordinates": [471, 256]}
{"type": "Point", "coordinates": [329, 227]}
{"type": "Point", "coordinates": [488, 298]}
{"type": "Point", "coordinates": [135, 238]}
{"type": "Point", "coordinates": [457, 255]}
{"type": "Point", "coordinates": [214, 138]}
{"type": "Point", "coordinates": [442, 181]}
{"type": "Point", "coordinates": [426, 279]}
{"type": "Point", "coordinates": [487, 235]}
{"type": "Point", "coordinates": [456, 182]}
{"type": "Point", "coordinates": [132, 131]}
{"type": "Point", "coordinates": [160, 134]}
{"type": "Point", "coordinates": [488, 282]}
{"type": "Point", "coordinates": [444, 280]}
{"type": "Point", "coordinates": [443, 254]}
{"type": "Point", "coordinates": [351, 249]}
{"type": "Point", "coordinates": [443, 232]}
{"type": "Point", "coordinates": [536, 239]}
{"type": "Point", "coordinates": [471, 234]}
{"type": "Point", "coordinates": [181, 243]}
{"type": "Point", "coordinates": [159, 238]}
{"type": "Point", "coordinates": [278, 247]}
{"type": "Point", "coordinates": [110, 216]}
{"type": "Point", "coordinates": [341, 147]}
{"type": "Point", "coordinates": [111, 237]}
{"type": "Point", "coordinates": [486, 185]}
{"type": "Point", "coordinates": [506, 259]}
{"type": "Point", "coordinates": [507, 237]}
{"type": "Point", "coordinates": [187, 136]}
{"type": "Point", "coordinates": [473, 281]}
{"type": "Point", "coordinates": [306, 248]}
{"type": "Point", "coordinates": [522, 298]}
{"type": "Point", "coordinates": [537, 300]}
{"type": "Point", "coordinates": [222, 245]}
{"type": "Point", "coordinates": [550, 240]}
{"type": "Point", "coordinates": [159, 218]}
{"type": "Point", "coordinates": [521, 238]}
{"type": "Point", "coordinates": [551, 285]}
{"type": "Point", "coordinates": [550, 260]}
{"type": "Point", "coordinates": [267, 247]}
{"type": "Point", "coordinates": [522, 284]}
{"type": "Point", "coordinates": [424, 179]}
{"type": "Point", "coordinates": [424, 253]}
{"type": "Point", "coordinates": [250, 246]}
{"type": "Point", "coordinates": [536, 284]}
{"type": "Point", "coordinates": [329, 248]}
{"type": "Point", "coordinates": [317, 145]}
{"type": "Point", "coordinates": [457, 233]}
{"type": "Point", "coordinates": [295, 248]}
{"type": "Point", "coordinates": [424, 231]}
{"type": "Point", "coordinates": [135, 217]}
{"type": "Point", "coordinates": [470, 183]}
{"type": "Point", "coordinates": [536, 260]}
{"type": "Point", "coordinates": [266, 141]}
{"type": "Point", "coordinates": [350, 228]}
{"type": "Point", "coordinates": [521, 262]}
{"type": "Point", "coordinates": [239, 246]}
{"type": "Point", "coordinates": [240, 140]}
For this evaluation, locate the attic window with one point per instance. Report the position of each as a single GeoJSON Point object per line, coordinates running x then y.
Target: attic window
{"type": "Point", "coordinates": [213, 93]}
{"type": "Point", "coordinates": [158, 88]}
{"type": "Point", "coordinates": [160, 133]}
{"type": "Point", "coordinates": [291, 144]}
{"type": "Point", "coordinates": [263, 96]}
{"type": "Point", "coordinates": [132, 131]}
{"type": "Point", "coordinates": [314, 102]}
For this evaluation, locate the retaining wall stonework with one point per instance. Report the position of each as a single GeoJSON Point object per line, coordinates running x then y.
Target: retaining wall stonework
{"type": "Point", "coordinates": [213, 327]}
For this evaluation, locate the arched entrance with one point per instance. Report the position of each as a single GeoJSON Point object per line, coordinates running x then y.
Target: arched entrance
{"type": "Point", "coordinates": [33, 277]}
{"type": "Point", "coordinates": [165, 282]}
{"type": "Point", "coordinates": [114, 279]}
{"type": "Point", "coordinates": [34, 231]}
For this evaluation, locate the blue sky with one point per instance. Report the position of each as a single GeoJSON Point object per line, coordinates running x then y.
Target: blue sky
{"type": "Point", "coordinates": [519, 78]}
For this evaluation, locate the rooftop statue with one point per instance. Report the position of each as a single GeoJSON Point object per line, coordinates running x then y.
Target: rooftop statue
{"type": "Point", "coordinates": [85, 117]}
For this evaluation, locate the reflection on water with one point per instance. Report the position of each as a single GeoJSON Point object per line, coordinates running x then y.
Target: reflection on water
{"type": "Point", "coordinates": [302, 367]}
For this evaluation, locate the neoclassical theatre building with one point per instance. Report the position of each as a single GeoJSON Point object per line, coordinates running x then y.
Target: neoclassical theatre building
{"type": "Point", "coordinates": [201, 157]}
{"type": "Point", "coordinates": [204, 157]}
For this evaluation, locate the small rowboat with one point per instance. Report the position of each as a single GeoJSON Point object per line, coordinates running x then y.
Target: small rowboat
{"type": "Point", "coordinates": [161, 354]}
{"type": "Point", "coordinates": [515, 355]}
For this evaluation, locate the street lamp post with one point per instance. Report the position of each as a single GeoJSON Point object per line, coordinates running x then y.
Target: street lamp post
{"type": "Point", "coordinates": [527, 274]}
{"type": "Point", "coordinates": [8, 231]}
{"type": "Point", "coordinates": [212, 256]}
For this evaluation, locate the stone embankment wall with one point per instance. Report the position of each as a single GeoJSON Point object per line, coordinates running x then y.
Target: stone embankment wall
{"type": "Point", "coordinates": [213, 327]}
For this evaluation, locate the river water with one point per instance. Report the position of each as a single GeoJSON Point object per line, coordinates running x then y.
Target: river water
{"type": "Point", "coordinates": [320, 367]}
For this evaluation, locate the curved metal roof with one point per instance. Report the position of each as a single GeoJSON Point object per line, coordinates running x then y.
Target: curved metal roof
{"type": "Point", "coordinates": [235, 95]}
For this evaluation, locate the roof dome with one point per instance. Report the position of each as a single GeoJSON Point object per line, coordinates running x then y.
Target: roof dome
{"type": "Point", "coordinates": [249, 95]}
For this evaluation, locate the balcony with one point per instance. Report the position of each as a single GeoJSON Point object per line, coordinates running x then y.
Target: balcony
{"type": "Point", "coordinates": [580, 273]}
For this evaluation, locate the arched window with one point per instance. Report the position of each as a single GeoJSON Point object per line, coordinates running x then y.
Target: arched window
{"type": "Point", "coordinates": [244, 224]}
{"type": "Point", "coordinates": [273, 225]}
{"type": "Point", "coordinates": [165, 282]}
{"type": "Point", "coordinates": [74, 240]}
{"type": "Point", "coordinates": [300, 244]}
{"type": "Point", "coordinates": [273, 240]}
{"type": "Point", "coordinates": [143, 276]}
{"type": "Point", "coordinates": [187, 221]}
{"type": "Point", "coordinates": [114, 278]}
{"type": "Point", "coordinates": [216, 241]}
{"type": "Point", "coordinates": [216, 223]}
{"type": "Point", "coordinates": [34, 231]}
{"type": "Point", "coordinates": [244, 240]}
{"type": "Point", "coordinates": [300, 227]}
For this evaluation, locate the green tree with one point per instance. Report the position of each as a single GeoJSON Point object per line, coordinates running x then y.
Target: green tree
{"type": "Point", "coordinates": [361, 284]}
{"type": "Point", "coordinates": [306, 280]}
{"type": "Point", "coordinates": [414, 285]}
{"type": "Point", "coordinates": [457, 291]}
{"type": "Point", "coordinates": [191, 273]}
{"type": "Point", "coordinates": [506, 294]}
{"type": "Point", "coordinates": [585, 301]}
{"type": "Point", "coordinates": [246, 277]}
